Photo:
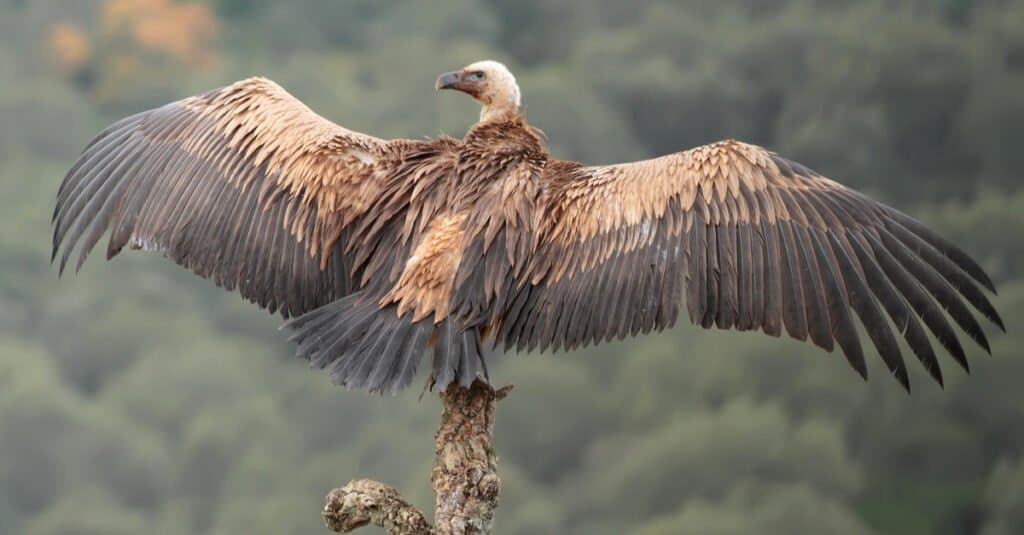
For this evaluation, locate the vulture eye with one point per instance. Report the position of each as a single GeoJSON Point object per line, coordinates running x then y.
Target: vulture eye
{"type": "Point", "coordinates": [475, 76]}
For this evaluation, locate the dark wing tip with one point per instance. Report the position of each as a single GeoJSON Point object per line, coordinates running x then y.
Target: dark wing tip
{"type": "Point", "coordinates": [934, 370]}
{"type": "Point", "coordinates": [983, 342]}
{"type": "Point", "coordinates": [953, 252]}
{"type": "Point", "coordinates": [902, 378]}
{"type": "Point", "coordinates": [997, 320]}
{"type": "Point", "coordinates": [860, 365]}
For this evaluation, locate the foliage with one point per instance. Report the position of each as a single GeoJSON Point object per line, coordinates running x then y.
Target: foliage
{"type": "Point", "coordinates": [135, 398]}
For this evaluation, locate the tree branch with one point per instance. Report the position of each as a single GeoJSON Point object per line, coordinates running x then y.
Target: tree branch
{"type": "Point", "coordinates": [366, 502]}
{"type": "Point", "coordinates": [464, 476]}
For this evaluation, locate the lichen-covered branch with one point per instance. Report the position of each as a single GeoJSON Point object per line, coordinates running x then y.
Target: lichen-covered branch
{"type": "Point", "coordinates": [465, 472]}
{"type": "Point", "coordinates": [465, 476]}
{"type": "Point", "coordinates": [366, 502]}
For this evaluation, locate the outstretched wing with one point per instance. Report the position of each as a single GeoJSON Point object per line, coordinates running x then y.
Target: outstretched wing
{"type": "Point", "coordinates": [244, 184]}
{"type": "Point", "coordinates": [755, 242]}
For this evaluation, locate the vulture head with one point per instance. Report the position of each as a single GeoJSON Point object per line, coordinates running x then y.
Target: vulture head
{"type": "Point", "coordinates": [489, 82]}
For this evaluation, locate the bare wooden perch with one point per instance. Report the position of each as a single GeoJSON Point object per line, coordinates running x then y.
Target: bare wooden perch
{"type": "Point", "coordinates": [465, 476]}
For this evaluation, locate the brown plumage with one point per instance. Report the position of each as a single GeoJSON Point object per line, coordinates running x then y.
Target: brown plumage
{"type": "Point", "coordinates": [382, 249]}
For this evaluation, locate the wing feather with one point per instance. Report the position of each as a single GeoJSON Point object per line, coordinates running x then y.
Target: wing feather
{"type": "Point", "coordinates": [696, 280]}
{"type": "Point", "coordinates": [867, 310]}
{"type": "Point", "coordinates": [773, 267]}
{"type": "Point", "coordinates": [841, 324]}
{"type": "Point", "coordinates": [939, 290]}
{"type": "Point", "coordinates": [725, 317]}
{"type": "Point", "coordinates": [899, 313]}
{"type": "Point", "coordinates": [793, 307]}
{"type": "Point", "coordinates": [953, 273]}
{"type": "Point", "coordinates": [815, 308]}
{"type": "Point", "coordinates": [919, 301]}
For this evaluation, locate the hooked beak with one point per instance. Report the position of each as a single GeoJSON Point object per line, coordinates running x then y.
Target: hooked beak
{"type": "Point", "coordinates": [448, 80]}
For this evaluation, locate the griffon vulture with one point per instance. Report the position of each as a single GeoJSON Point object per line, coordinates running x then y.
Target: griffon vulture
{"type": "Point", "coordinates": [380, 250]}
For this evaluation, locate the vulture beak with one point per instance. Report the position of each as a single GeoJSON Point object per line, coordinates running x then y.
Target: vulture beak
{"type": "Point", "coordinates": [448, 80]}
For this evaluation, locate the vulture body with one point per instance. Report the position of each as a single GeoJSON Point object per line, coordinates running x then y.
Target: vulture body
{"type": "Point", "coordinates": [383, 251]}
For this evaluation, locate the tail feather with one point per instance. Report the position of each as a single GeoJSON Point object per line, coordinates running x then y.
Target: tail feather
{"type": "Point", "coordinates": [470, 342]}
{"type": "Point", "coordinates": [406, 365]}
{"type": "Point", "coordinates": [446, 354]}
{"type": "Point", "coordinates": [391, 346]}
{"type": "Point", "coordinates": [365, 346]}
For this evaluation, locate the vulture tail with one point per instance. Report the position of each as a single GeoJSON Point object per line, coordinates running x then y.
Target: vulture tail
{"type": "Point", "coordinates": [366, 346]}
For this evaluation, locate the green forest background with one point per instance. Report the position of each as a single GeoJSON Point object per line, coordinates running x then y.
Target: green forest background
{"type": "Point", "coordinates": [135, 398]}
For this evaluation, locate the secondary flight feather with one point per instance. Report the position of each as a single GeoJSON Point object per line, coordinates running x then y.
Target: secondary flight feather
{"type": "Point", "coordinates": [382, 252]}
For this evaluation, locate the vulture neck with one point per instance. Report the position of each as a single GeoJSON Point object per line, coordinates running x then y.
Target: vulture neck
{"type": "Point", "coordinates": [501, 102]}
{"type": "Point", "coordinates": [498, 112]}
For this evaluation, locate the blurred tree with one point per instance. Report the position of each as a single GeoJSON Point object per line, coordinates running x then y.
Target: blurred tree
{"type": "Point", "coordinates": [183, 31]}
{"type": "Point", "coordinates": [115, 61]}
{"type": "Point", "coordinates": [88, 513]}
{"type": "Point", "coordinates": [70, 47]}
{"type": "Point", "coordinates": [1005, 498]}
{"type": "Point", "coordinates": [755, 508]}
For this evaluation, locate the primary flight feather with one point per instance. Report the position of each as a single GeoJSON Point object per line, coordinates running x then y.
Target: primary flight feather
{"type": "Point", "coordinates": [381, 251]}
